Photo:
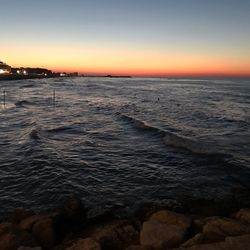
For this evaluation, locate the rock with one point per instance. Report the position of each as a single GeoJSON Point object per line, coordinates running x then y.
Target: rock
{"type": "Point", "coordinates": [100, 217]}
{"type": "Point", "coordinates": [197, 239]}
{"type": "Point", "coordinates": [217, 229]}
{"type": "Point", "coordinates": [85, 244]}
{"type": "Point", "coordinates": [116, 235]}
{"type": "Point", "coordinates": [243, 215]}
{"type": "Point", "coordinates": [241, 242]}
{"type": "Point", "coordinates": [28, 223]}
{"type": "Point", "coordinates": [138, 247]}
{"type": "Point", "coordinates": [21, 214]}
{"type": "Point", "coordinates": [198, 224]}
{"type": "Point", "coordinates": [43, 231]}
{"type": "Point", "coordinates": [172, 218]}
{"type": "Point", "coordinates": [71, 218]}
{"type": "Point", "coordinates": [5, 227]}
{"type": "Point", "coordinates": [164, 229]}
{"type": "Point", "coordinates": [9, 242]}
{"type": "Point", "coordinates": [230, 243]}
{"type": "Point", "coordinates": [211, 207]}
{"type": "Point", "coordinates": [26, 239]}
{"type": "Point", "coordinates": [73, 208]}
{"type": "Point", "coordinates": [15, 239]}
{"type": "Point", "coordinates": [144, 211]}
{"type": "Point", "coordinates": [29, 248]}
{"type": "Point", "coordinates": [161, 236]}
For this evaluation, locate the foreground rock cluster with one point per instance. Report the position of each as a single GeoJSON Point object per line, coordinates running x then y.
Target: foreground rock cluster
{"type": "Point", "coordinates": [69, 228]}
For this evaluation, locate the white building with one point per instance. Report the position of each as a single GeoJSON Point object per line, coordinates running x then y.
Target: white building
{"type": "Point", "coordinates": [4, 69]}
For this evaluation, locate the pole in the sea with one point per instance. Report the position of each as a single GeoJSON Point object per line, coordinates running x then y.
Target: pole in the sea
{"type": "Point", "coordinates": [54, 97]}
{"type": "Point", "coordinates": [4, 97]}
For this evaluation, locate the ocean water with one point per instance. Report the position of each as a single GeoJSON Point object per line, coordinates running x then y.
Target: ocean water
{"type": "Point", "coordinates": [122, 142]}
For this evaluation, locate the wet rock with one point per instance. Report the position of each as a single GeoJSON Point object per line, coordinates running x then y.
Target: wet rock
{"type": "Point", "coordinates": [171, 218]}
{"type": "Point", "coordinates": [217, 229]}
{"type": "Point", "coordinates": [5, 227]}
{"type": "Point", "coordinates": [9, 242]}
{"type": "Point", "coordinates": [43, 231]}
{"type": "Point", "coordinates": [230, 243]}
{"type": "Point", "coordinates": [71, 218]}
{"type": "Point", "coordinates": [243, 215]}
{"type": "Point", "coordinates": [144, 211]}
{"type": "Point", "coordinates": [241, 242]}
{"type": "Point", "coordinates": [164, 229]}
{"type": "Point", "coordinates": [12, 240]}
{"type": "Point", "coordinates": [85, 244]}
{"type": "Point", "coordinates": [197, 239]}
{"type": "Point", "coordinates": [29, 248]}
{"type": "Point", "coordinates": [198, 224]}
{"type": "Point", "coordinates": [116, 235]}
{"type": "Point", "coordinates": [138, 247]}
{"type": "Point", "coordinates": [21, 214]}
{"type": "Point", "coordinates": [101, 217]}
{"type": "Point", "coordinates": [210, 207]}
{"type": "Point", "coordinates": [161, 236]}
{"type": "Point", "coordinates": [28, 223]}
{"type": "Point", "coordinates": [74, 209]}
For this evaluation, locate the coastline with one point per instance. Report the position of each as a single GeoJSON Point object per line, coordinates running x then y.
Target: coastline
{"type": "Point", "coordinates": [22, 77]}
{"type": "Point", "coordinates": [195, 225]}
{"type": "Point", "coordinates": [25, 77]}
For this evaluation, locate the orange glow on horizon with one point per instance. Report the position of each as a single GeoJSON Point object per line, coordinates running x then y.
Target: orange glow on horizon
{"type": "Point", "coordinates": [157, 73]}
{"type": "Point", "coordinates": [90, 60]}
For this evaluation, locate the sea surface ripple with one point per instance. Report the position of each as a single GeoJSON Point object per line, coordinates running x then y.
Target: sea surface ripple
{"type": "Point", "coordinates": [122, 141]}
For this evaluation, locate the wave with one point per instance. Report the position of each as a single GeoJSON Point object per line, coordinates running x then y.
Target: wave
{"type": "Point", "coordinates": [73, 128]}
{"type": "Point", "coordinates": [59, 129]}
{"type": "Point", "coordinates": [141, 124]}
{"type": "Point", "coordinates": [34, 134]}
{"type": "Point", "coordinates": [22, 103]}
{"type": "Point", "coordinates": [27, 86]}
{"type": "Point", "coordinates": [175, 140]}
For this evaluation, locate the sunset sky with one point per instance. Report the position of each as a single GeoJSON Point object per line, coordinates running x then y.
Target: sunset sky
{"type": "Point", "coordinates": [136, 37]}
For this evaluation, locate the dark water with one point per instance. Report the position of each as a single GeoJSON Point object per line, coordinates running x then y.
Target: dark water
{"type": "Point", "coordinates": [122, 141]}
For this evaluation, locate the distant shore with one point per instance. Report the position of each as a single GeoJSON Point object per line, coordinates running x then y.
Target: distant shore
{"type": "Point", "coordinates": [24, 77]}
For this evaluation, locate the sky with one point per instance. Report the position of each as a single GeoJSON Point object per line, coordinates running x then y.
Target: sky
{"type": "Point", "coordinates": [128, 37]}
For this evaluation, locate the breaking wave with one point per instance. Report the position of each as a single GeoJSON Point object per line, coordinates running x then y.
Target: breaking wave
{"type": "Point", "coordinates": [175, 140]}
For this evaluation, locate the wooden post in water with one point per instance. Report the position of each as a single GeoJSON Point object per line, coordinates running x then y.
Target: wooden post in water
{"type": "Point", "coordinates": [4, 98]}
{"type": "Point", "coordinates": [54, 97]}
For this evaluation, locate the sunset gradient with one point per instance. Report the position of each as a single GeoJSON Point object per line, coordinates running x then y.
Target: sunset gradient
{"type": "Point", "coordinates": [139, 37]}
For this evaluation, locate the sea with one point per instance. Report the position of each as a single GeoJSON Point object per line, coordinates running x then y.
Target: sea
{"type": "Point", "coordinates": [122, 142]}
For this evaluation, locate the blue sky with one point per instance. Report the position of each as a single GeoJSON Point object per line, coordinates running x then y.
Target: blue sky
{"type": "Point", "coordinates": [199, 26]}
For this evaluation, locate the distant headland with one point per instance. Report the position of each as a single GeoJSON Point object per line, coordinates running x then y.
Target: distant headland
{"type": "Point", "coordinates": [11, 73]}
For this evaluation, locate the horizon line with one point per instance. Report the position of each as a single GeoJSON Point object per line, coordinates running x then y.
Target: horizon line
{"type": "Point", "coordinates": [144, 73]}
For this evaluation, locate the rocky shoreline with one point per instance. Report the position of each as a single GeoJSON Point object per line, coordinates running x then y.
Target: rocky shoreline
{"type": "Point", "coordinates": [70, 227]}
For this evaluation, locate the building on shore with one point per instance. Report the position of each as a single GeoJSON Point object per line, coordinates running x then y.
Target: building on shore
{"type": "Point", "coordinates": [7, 72]}
{"type": "Point", "coordinates": [32, 71]}
{"type": "Point", "coordinates": [4, 69]}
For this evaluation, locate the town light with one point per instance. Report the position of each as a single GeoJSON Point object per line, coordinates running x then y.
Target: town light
{"type": "Point", "coordinates": [4, 71]}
